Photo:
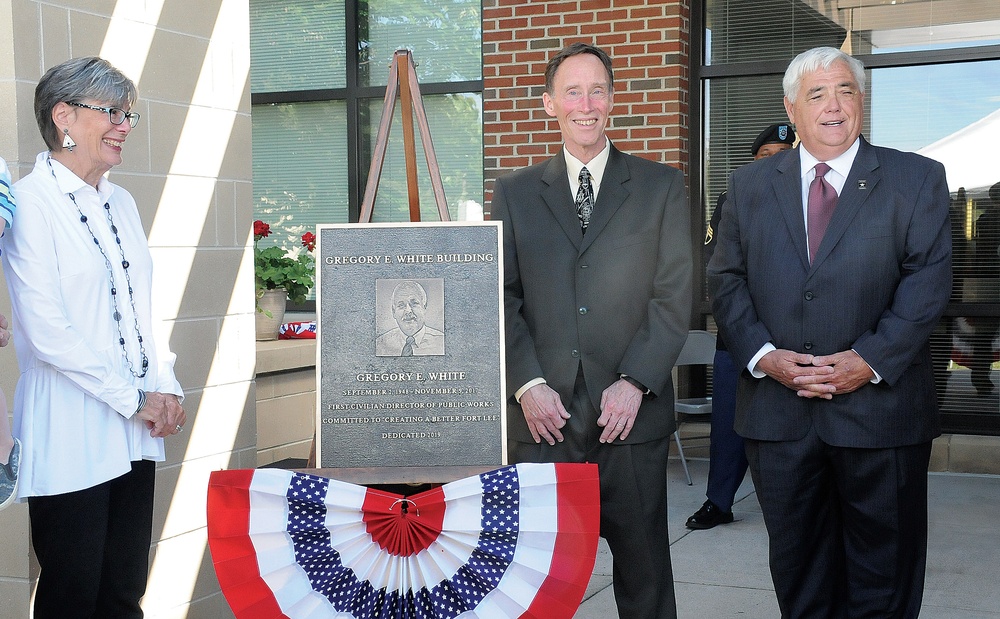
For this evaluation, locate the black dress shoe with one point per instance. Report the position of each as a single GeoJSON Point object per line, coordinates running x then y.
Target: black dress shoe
{"type": "Point", "coordinates": [708, 516]}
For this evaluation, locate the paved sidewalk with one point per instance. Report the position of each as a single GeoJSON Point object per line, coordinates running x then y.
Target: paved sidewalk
{"type": "Point", "coordinates": [723, 572]}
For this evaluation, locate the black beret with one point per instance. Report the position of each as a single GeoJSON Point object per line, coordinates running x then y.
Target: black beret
{"type": "Point", "coordinates": [775, 134]}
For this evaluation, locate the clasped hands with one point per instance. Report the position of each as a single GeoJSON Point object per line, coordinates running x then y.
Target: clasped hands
{"type": "Point", "coordinates": [817, 377]}
{"type": "Point", "coordinates": [546, 415]}
{"type": "Point", "coordinates": [162, 413]}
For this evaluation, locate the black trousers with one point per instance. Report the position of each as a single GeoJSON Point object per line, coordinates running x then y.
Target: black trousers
{"type": "Point", "coordinates": [633, 507]}
{"type": "Point", "coordinates": [93, 548]}
{"type": "Point", "coordinates": [727, 456]}
{"type": "Point", "coordinates": [847, 527]}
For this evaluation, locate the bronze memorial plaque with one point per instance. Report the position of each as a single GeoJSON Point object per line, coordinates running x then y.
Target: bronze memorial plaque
{"type": "Point", "coordinates": [411, 350]}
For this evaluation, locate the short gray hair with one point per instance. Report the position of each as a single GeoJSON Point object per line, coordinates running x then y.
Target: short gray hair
{"type": "Point", "coordinates": [74, 80]}
{"type": "Point", "coordinates": [409, 284]}
{"type": "Point", "coordinates": [815, 59]}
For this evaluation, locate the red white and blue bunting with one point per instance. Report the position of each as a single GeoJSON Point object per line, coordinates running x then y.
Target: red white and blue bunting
{"type": "Point", "coordinates": [519, 541]}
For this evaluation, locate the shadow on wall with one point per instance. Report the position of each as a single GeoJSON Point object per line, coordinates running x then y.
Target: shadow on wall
{"type": "Point", "coordinates": [189, 168]}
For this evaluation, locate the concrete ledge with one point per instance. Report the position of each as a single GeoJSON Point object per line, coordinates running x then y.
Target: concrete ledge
{"type": "Point", "coordinates": [939, 454]}
{"type": "Point", "coordinates": [282, 355]}
{"type": "Point", "coordinates": [969, 454]}
{"type": "Point", "coordinates": [950, 453]}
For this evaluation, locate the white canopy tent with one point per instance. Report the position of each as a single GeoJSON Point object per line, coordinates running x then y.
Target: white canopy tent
{"type": "Point", "coordinates": [970, 155]}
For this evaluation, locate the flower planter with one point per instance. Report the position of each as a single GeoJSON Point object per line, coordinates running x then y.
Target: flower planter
{"type": "Point", "coordinates": [273, 302]}
{"type": "Point", "coordinates": [284, 275]}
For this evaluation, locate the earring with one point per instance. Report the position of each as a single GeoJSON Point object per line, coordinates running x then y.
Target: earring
{"type": "Point", "coordinates": [68, 142]}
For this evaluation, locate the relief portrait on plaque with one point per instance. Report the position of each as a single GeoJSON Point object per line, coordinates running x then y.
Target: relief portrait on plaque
{"type": "Point", "coordinates": [409, 317]}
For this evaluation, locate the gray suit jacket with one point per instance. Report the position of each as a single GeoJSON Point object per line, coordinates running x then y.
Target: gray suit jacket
{"type": "Point", "coordinates": [616, 300]}
{"type": "Point", "coordinates": [879, 284]}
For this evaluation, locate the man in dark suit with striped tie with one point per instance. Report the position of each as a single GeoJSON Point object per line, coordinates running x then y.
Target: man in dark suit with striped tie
{"type": "Point", "coordinates": [597, 296]}
{"type": "Point", "coordinates": [832, 267]}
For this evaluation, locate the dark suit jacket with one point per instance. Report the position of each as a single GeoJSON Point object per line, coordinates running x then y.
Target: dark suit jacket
{"type": "Point", "coordinates": [879, 284]}
{"type": "Point", "coordinates": [710, 241]}
{"type": "Point", "coordinates": [616, 300]}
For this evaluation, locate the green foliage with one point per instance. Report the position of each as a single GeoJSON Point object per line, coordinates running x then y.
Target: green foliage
{"type": "Point", "coordinates": [275, 268]}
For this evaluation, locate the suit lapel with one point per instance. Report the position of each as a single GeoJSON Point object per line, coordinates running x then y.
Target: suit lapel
{"type": "Point", "coordinates": [787, 186]}
{"type": "Point", "coordinates": [556, 196]}
{"type": "Point", "coordinates": [861, 182]}
{"type": "Point", "coordinates": [610, 198]}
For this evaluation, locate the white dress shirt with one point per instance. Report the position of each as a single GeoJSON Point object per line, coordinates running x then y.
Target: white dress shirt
{"type": "Point", "coordinates": [837, 176]}
{"type": "Point", "coordinates": [595, 166]}
{"type": "Point", "coordinates": [75, 403]}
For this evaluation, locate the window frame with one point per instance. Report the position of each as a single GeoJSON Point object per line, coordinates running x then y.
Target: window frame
{"type": "Point", "coordinates": [355, 95]}
{"type": "Point", "coordinates": [358, 152]}
{"type": "Point", "coordinates": [700, 203]}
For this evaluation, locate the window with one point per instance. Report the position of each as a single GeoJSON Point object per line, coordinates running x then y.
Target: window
{"type": "Point", "coordinates": [933, 87]}
{"type": "Point", "coordinates": [318, 77]}
{"type": "Point", "coordinates": [297, 45]}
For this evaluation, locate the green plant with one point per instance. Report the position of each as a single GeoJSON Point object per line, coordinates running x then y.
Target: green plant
{"type": "Point", "coordinates": [275, 268]}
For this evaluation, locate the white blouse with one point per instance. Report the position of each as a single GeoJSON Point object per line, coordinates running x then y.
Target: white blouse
{"type": "Point", "coordinates": [75, 403]}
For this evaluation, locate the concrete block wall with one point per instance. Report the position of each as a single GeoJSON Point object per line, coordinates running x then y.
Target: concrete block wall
{"type": "Point", "coordinates": [188, 166]}
{"type": "Point", "coordinates": [286, 400]}
{"type": "Point", "coordinates": [648, 44]}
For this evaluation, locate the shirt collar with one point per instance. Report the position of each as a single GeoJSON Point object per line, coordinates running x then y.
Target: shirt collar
{"type": "Point", "coordinates": [595, 166]}
{"type": "Point", "coordinates": [68, 182]}
{"type": "Point", "coordinates": [419, 336]}
{"type": "Point", "coordinates": [841, 164]}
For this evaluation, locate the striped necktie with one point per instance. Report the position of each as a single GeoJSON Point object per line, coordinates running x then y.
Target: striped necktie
{"type": "Point", "coordinates": [822, 201]}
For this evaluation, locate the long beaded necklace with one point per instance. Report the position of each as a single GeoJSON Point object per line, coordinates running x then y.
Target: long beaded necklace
{"type": "Point", "coordinates": [114, 288]}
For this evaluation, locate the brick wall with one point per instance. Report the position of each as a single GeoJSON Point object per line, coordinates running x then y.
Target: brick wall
{"type": "Point", "coordinates": [648, 42]}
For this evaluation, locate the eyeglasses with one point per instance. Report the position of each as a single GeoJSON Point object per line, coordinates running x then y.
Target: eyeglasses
{"type": "Point", "coordinates": [115, 115]}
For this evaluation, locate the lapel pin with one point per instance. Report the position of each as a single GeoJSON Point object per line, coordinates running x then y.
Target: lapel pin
{"type": "Point", "coordinates": [862, 184]}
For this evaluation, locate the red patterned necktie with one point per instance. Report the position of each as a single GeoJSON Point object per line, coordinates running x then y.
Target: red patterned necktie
{"type": "Point", "coordinates": [822, 201]}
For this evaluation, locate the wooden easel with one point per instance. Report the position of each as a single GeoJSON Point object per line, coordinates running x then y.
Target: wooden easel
{"type": "Point", "coordinates": [403, 80]}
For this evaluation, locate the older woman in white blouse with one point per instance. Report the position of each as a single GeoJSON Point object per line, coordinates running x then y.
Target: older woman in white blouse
{"type": "Point", "coordinates": [96, 394]}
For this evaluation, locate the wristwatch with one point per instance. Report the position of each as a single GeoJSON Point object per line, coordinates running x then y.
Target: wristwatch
{"type": "Point", "coordinates": [636, 384]}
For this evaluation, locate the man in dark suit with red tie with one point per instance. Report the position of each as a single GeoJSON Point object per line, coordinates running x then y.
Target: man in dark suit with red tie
{"type": "Point", "coordinates": [832, 267]}
{"type": "Point", "coordinates": [597, 297]}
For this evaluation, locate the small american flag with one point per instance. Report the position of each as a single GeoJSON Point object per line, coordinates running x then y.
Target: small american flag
{"type": "Point", "coordinates": [297, 330]}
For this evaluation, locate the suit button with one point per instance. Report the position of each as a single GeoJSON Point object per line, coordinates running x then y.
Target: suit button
{"type": "Point", "coordinates": [576, 354]}
{"type": "Point", "coordinates": [809, 296]}
{"type": "Point", "coordinates": [583, 311]}
{"type": "Point", "coordinates": [808, 345]}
